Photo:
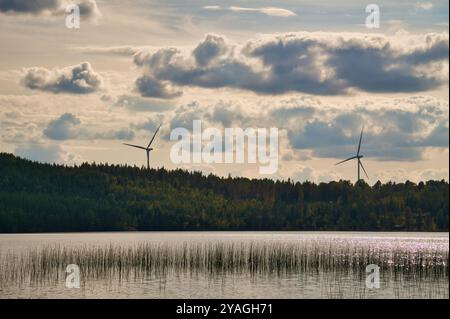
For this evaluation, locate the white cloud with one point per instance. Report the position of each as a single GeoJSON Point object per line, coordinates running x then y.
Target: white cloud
{"type": "Point", "coordinates": [212, 7]}
{"type": "Point", "coordinates": [424, 5]}
{"type": "Point", "coordinates": [402, 175]}
{"type": "Point", "coordinates": [269, 11]}
{"type": "Point", "coordinates": [307, 173]}
{"type": "Point", "coordinates": [109, 50]}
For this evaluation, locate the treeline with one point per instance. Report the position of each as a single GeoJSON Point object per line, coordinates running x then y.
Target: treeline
{"type": "Point", "coordinates": [38, 197]}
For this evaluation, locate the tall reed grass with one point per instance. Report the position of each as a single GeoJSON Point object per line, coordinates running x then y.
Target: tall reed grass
{"type": "Point", "coordinates": [214, 258]}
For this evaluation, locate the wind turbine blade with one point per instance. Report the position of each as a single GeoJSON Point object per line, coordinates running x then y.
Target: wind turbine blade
{"type": "Point", "coordinates": [362, 166]}
{"type": "Point", "coordinates": [350, 158]}
{"type": "Point", "coordinates": [137, 146]}
{"type": "Point", "coordinates": [153, 137]}
{"type": "Point", "coordinates": [360, 138]}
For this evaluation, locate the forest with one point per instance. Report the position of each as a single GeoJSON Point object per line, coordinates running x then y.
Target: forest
{"type": "Point", "coordinates": [36, 197]}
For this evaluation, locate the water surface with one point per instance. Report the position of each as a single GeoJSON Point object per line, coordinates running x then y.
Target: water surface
{"type": "Point", "coordinates": [224, 264]}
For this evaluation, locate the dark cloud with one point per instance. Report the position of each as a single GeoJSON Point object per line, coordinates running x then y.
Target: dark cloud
{"type": "Point", "coordinates": [384, 69]}
{"type": "Point", "coordinates": [436, 49]}
{"type": "Point", "coordinates": [33, 6]}
{"type": "Point", "coordinates": [315, 63]}
{"type": "Point", "coordinates": [68, 127]}
{"type": "Point", "coordinates": [209, 49]}
{"type": "Point", "coordinates": [77, 79]}
{"type": "Point", "coordinates": [63, 128]}
{"type": "Point", "coordinates": [88, 8]}
{"type": "Point", "coordinates": [147, 86]}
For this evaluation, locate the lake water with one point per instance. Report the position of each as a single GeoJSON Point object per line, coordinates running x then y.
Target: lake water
{"type": "Point", "coordinates": [225, 265]}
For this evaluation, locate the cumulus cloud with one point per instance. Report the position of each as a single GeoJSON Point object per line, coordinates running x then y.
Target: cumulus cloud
{"type": "Point", "coordinates": [147, 86]}
{"type": "Point", "coordinates": [68, 127]}
{"type": "Point", "coordinates": [315, 63]}
{"type": "Point", "coordinates": [402, 129]}
{"type": "Point", "coordinates": [63, 128]}
{"type": "Point", "coordinates": [88, 8]}
{"type": "Point", "coordinates": [77, 79]}
{"type": "Point", "coordinates": [269, 11]}
{"type": "Point", "coordinates": [390, 134]}
{"type": "Point", "coordinates": [212, 48]}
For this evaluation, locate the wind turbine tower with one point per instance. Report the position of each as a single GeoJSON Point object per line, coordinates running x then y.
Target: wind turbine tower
{"type": "Point", "coordinates": [147, 149]}
{"type": "Point", "coordinates": [358, 157]}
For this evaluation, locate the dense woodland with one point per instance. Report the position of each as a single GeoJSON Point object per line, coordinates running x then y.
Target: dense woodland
{"type": "Point", "coordinates": [38, 197]}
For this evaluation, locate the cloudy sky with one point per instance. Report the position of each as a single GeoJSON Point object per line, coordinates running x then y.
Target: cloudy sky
{"type": "Point", "coordinates": [310, 68]}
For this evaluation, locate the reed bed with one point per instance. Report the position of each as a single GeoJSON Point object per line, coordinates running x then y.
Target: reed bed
{"type": "Point", "coordinates": [157, 259]}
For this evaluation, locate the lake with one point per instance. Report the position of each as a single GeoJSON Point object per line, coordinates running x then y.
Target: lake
{"type": "Point", "coordinates": [224, 265]}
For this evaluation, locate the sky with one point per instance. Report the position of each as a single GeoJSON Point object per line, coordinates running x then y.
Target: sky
{"type": "Point", "coordinates": [312, 69]}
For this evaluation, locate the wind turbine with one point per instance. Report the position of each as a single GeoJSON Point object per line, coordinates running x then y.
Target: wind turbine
{"type": "Point", "coordinates": [147, 149]}
{"type": "Point", "coordinates": [358, 157]}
